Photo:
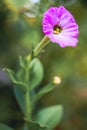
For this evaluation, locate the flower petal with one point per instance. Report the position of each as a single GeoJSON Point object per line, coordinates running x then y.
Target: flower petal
{"type": "Point", "coordinates": [64, 40]}
{"type": "Point", "coordinates": [66, 20]}
{"type": "Point", "coordinates": [50, 19]}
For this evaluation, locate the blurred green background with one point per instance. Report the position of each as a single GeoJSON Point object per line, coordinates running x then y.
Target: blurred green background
{"type": "Point", "coordinates": [20, 29]}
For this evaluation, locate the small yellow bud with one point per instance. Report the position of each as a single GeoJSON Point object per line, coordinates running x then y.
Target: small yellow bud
{"type": "Point", "coordinates": [56, 80]}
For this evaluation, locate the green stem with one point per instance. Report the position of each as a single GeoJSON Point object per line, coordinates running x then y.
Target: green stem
{"type": "Point", "coordinates": [27, 95]}
{"type": "Point", "coordinates": [41, 45]}
{"type": "Point", "coordinates": [36, 51]}
{"type": "Point", "coordinates": [28, 106]}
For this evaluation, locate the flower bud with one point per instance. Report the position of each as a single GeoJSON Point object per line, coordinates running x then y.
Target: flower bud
{"type": "Point", "coordinates": [56, 80]}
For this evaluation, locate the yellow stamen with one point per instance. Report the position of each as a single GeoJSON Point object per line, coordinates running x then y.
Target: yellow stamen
{"type": "Point", "coordinates": [56, 29]}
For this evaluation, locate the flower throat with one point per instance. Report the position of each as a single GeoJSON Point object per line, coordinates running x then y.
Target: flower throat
{"type": "Point", "coordinates": [56, 29]}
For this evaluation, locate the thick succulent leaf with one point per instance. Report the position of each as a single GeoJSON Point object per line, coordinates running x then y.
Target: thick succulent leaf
{"type": "Point", "coordinates": [20, 98]}
{"type": "Point", "coordinates": [50, 116]}
{"type": "Point", "coordinates": [42, 92]}
{"type": "Point", "coordinates": [36, 73]}
{"type": "Point", "coordinates": [12, 75]}
{"type": "Point", "coordinates": [35, 126]}
{"type": "Point", "coordinates": [22, 62]}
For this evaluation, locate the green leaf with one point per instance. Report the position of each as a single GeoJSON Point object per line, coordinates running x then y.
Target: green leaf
{"type": "Point", "coordinates": [50, 116]}
{"type": "Point", "coordinates": [36, 73]}
{"type": "Point", "coordinates": [42, 92]}
{"type": "Point", "coordinates": [21, 72]}
{"type": "Point", "coordinates": [45, 89]}
{"type": "Point", "coordinates": [20, 98]}
{"type": "Point", "coordinates": [36, 126]}
{"type": "Point", "coordinates": [12, 75]}
{"type": "Point", "coordinates": [22, 62]}
{"type": "Point", "coordinates": [5, 127]}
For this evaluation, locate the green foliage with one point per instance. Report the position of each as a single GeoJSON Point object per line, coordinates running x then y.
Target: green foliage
{"type": "Point", "coordinates": [36, 126]}
{"type": "Point", "coordinates": [14, 79]}
{"type": "Point", "coordinates": [20, 98]}
{"type": "Point", "coordinates": [36, 73]}
{"type": "Point", "coordinates": [5, 127]}
{"type": "Point", "coordinates": [35, 77]}
{"type": "Point", "coordinates": [21, 62]}
{"type": "Point", "coordinates": [50, 116]}
{"type": "Point", "coordinates": [21, 71]}
{"type": "Point", "coordinates": [42, 92]}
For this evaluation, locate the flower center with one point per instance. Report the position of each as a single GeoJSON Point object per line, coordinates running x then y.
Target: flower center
{"type": "Point", "coordinates": [56, 29]}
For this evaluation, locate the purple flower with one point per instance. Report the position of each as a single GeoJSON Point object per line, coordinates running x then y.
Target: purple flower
{"type": "Point", "coordinates": [60, 27]}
